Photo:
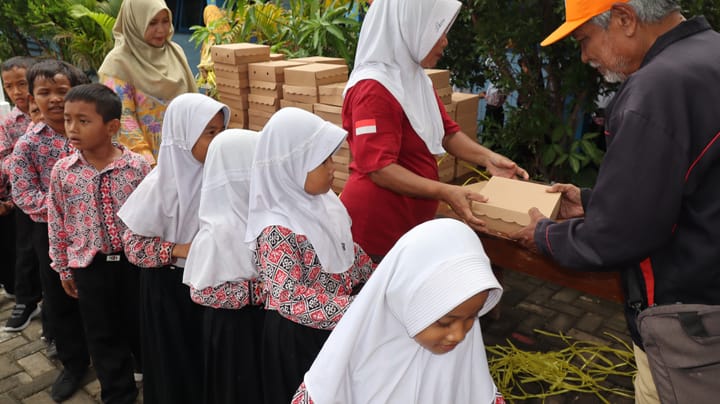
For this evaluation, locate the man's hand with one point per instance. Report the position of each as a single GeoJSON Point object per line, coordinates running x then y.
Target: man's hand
{"type": "Point", "coordinates": [570, 202]}
{"type": "Point", "coordinates": [526, 235]}
{"type": "Point", "coordinates": [499, 165]}
{"type": "Point", "coordinates": [70, 288]}
{"type": "Point", "coordinates": [460, 200]}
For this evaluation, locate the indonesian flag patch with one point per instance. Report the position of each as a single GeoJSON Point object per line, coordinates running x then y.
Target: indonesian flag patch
{"type": "Point", "coordinates": [365, 127]}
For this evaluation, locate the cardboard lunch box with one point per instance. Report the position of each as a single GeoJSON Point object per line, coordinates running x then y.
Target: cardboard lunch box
{"type": "Point", "coordinates": [506, 210]}
{"type": "Point", "coordinates": [304, 94]}
{"type": "Point", "coordinates": [270, 71]}
{"type": "Point", "coordinates": [445, 94]}
{"type": "Point", "coordinates": [230, 72]}
{"type": "Point", "coordinates": [316, 74]}
{"type": "Point", "coordinates": [302, 105]}
{"type": "Point", "coordinates": [440, 77]}
{"type": "Point", "coordinates": [266, 88]}
{"type": "Point", "coordinates": [332, 94]}
{"type": "Point", "coordinates": [320, 59]}
{"type": "Point", "coordinates": [330, 113]}
{"type": "Point", "coordinates": [239, 53]}
{"type": "Point", "coordinates": [263, 103]}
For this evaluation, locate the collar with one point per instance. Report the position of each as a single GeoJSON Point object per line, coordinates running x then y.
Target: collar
{"type": "Point", "coordinates": [77, 158]}
{"type": "Point", "coordinates": [681, 31]}
{"type": "Point", "coordinates": [16, 113]}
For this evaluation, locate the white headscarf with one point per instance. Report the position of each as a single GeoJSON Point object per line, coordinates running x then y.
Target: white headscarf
{"type": "Point", "coordinates": [395, 37]}
{"type": "Point", "coordinates": [293, 143]}
{"type": "Point", "coordinates": [371, 356]}
{"type": "Point", "coordinates": [166, 202]}
{"type": "Point", "coordinates": [218, 253]}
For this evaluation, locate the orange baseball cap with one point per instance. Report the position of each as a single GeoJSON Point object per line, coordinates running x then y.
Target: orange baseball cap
{"type": "Point", "coordinates": [577, 13]}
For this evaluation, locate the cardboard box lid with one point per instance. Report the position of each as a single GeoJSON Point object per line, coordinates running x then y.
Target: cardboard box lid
{"type": "Point", "coordinates": [465, 103]}
{"type": "Point", "coordinates": [332, 88]}
{"type": "Point", "coordinates": [238, 53]}
{"type": "Point", "coordinates": [439, 77]}
{"type": "Point", "coordinates": [301, 90]}
{"type": "Point", "coordinates": [316, 74]}
{"type": "Point", "coordinates": [230, 68]}
{"type": "Point", "coordinates": [332, 109]}
{"type": "Point", "coordinates": [302, 105]}
{"type": "Point", "coordinates": [510, 200]}
{"type": "Point", "coordinates": [321, 59]}
{"type": "Point", "coordinates": [265, 85]}
{"type": "Point", "coordinates": [270, 71]}
{"type": "Point", "coordinates": [263, 100]}
{"type": "Point", "coordinates": [277, 56]}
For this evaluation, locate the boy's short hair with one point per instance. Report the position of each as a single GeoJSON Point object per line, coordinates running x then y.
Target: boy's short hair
{"type": "Point", "coordinates": [50, 67]}
{"type": "Point", "coordinates": [107, 103]}
{"type": "Point", "coordinates": [22, 62]}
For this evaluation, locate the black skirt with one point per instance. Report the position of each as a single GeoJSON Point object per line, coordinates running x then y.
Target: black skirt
{"type": "Point", "coordinates": [171, 335]}
{"type": "Point", "coordinates": [232, 342]}
{"type": "Point", "coordinates": [289, 350]}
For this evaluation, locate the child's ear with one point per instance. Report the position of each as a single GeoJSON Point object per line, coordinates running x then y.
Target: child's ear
{"type": "Point", "coordinates": [113, 126]}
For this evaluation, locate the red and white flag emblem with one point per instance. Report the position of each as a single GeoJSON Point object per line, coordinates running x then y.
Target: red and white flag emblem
{"type": "Point", "coordinates": [365, 126]}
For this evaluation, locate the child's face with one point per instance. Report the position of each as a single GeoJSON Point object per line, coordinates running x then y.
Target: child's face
{"type": "Point", "coordinates": [49, 95]}
{"type": "Point", "coordinates": [215, 126]}
{"type": "Point", "coordinates": [85, 129]}
{"type": "Point", "coordinates": [319, 180]}
{"type": "Point", "coordinates": [16, 87]}
{"type": "Point", "coordinates": [447, 332]}
{"type": "Point", "coordinates": [158, 29]}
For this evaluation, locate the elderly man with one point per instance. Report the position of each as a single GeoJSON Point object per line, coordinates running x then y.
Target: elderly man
{"type": "Point", "coordinates": [654, 213]}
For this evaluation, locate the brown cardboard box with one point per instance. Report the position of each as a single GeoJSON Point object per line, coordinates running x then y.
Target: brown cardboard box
{"type": "Point", "coordinates": [321, 59]}
{"type": "Point", "coordinates": [266, 88]}
{"type": "Point", "coordinates": [330, 113]}
{"type": "Point", "coordinates": [234, 88]}
{"type": "Point", "coordinates": [277, 56]}
{"type": "Point", "coordinates": [449, 108]}
{"type": "Point", "coordinates": [270, 71]}
{"type": "Point", "coordinates": [238, 118]}
{"type": "Point", "coordinates": [315, 74]}
{"type": "Point", "coordinates": [304, 94]}
{"type": "Point", "coordinates": [262, 103]}
{"type": "Point", "coordinates": [230, 72]}
{"type": "Point", "coordinates": [331, 94]}
{"type": "Point", "coordinates": [445, 94]}
{"type": "Point", "coordinates": [302, 105]}
{"type": "Point", "coordinates": [234, 101]}
{"type": "Point", "coordinates": [509, 201]}
{"type": "Point", "coordinates": [466, 104]}
{"type": "Point", "coordinates": [239, 53]}
{"type": "Point", "coordinates": [258, 119]}
{"type": "Point", "coordinates": [439, 77]}
{"type": "Point", "coordinates": [446, 167]}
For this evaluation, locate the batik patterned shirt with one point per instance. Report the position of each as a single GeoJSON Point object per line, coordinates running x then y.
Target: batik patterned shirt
{"type": "Point", "coordinates": [295, 284]}
{"type": "Point", "coordinates": [31, 162]}
{"type": "Point", "coordinates": [147, 252]}
{"type": "Point", "coordinates": [11, 128]}
{"type": "Point", "coordinates": [229, 295]}
{"type": "Point", "coordinates": [83, 204]}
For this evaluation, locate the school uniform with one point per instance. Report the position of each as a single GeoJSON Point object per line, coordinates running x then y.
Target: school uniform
{"type": "Point", "coordinates": [306, 257]}
{"type": "Point", "coordinates": [161, 212]}
{"type": "Point", "coordinates": [85, 239]}
{"type": "Point", "coordinates": [220, 271]}
{"type": "Point", "coordinates": [20, 273]}
{"type": "Point", "coordinates": [372, 356]}
{"type": "Point", "coordinates": [33, 158]}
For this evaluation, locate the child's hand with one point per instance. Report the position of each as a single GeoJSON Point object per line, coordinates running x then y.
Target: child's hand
{"type": "Point", "coordinates": [181, 250]}
{"type": "Point", "coordinates": [70, 288]}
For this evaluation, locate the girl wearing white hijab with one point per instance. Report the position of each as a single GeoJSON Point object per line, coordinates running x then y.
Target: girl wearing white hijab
{"type": "Point", "coordinates": [396, 123]}
{"type": "Point", "coordinates": [162, 219]}
{"type": "Point", "coordinates": [147, 70]}
{"type": "Point", "coordinates": [412, 335]}
{"type": "Point", "coordinates": [300, 231]}
{"type": "Point", "coordinates": [221, 272]}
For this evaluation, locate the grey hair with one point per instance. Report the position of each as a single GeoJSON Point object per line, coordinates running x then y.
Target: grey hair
{"type": "Point", "coordinates": [648, 11]}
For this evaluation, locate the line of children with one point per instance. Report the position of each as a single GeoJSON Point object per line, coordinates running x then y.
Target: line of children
{"type": "Point", "coordinates": [86, 190]}
{"type": "Point", "coordinates": [31, 162]}
{"type": "Point", "coordinates": [412, 334]}
{"type": "Point", "coordinates": [162, 218]}
{"type": "Point", "coordinates": [308, 262]}
{"type": "Point", "coordinates": [20, 273]}
{"type": "Point", "coordinates": [222, 275]}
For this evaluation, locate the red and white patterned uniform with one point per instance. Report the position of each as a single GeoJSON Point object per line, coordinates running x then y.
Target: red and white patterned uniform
{"type": "Point", "coordinates": [295, 284]}
{"type": "Point", "coordinates": [82, 207]}
{"type": "Point", "coordinates": [11, 128]}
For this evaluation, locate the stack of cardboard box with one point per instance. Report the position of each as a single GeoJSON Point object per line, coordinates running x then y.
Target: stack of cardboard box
{"type": "Point", "coordinates": [301, 83]}
{"type": "Point", "coordinates": [321, 59]}
{"type": "Point", "coordinates": [329, 108]}
{"type": "Point", "coordinates": [465, 113]}
{"type": "Point", "coordinates": [266, 82]}
{"type": "Point", "coordinates": [231, 76]}
{"type": "Point", "coordinates": [441, 83]}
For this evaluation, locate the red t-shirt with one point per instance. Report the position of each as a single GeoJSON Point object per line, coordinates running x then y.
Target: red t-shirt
{"type": "Point", "coordinates": [379, 134]}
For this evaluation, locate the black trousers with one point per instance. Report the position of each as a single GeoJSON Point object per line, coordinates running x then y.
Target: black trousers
{"type": "Point", "coordinates": [171, 336]}
{"type": "Point", "coordinates": [28, 288]}
{"type": "Point", "coordinates": [109, 304]}
{"type": "Point", "coordinates": [232, 342]}
{"type": "Point", "coordinates": [289, 350]}
{"type": "Point", "coordinates": [63, 320]}
{"type": "Point", "coordinates": [7, 252]}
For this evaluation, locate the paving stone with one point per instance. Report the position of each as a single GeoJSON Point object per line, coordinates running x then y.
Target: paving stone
{"type": "Point", "coordinates": [34, 330]}
{"type": "Point", "coordinates": [583, 336]}
{"type": "Point", "coordinates": [28, 349]}
{"type": "Point", "coordinates": [561, 323]}
{"type": "Point", "coordinates": [566, 295]}
{"type": "Point", "coordinates": [93, 388]}
{"type": "Point", "coordinates": [38, 383]}
{"type": "Point", "coordinates": [536, 309]}
{"type": "Point", "coordinates": [564, 308]}
{"type": "Point", "coordinates": [540, 295]}
{"type": "Point", "coordinates": [12, 343]}
{"type": "Point", "coordinates": [7, 367]}
{"type": "Point", "coordinates": [36, 364]}
{"type": "Point", "coordinates": [80, 397]}
{"type": "Point", "coordinates": [13, 381]}
{"type": "Point", "coordinates": [40, 398]}
{"type": "Point", "coordinates": [589, 322]}
{"type": "Point", "coordinates": [6, 399]}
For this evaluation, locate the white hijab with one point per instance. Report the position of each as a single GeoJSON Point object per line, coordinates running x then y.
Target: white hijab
{"type": "Point", "coordinates": [395, 37]}
{"type": "Point", "coordinates": [293, 143]}
{"type": "Point", "coordinates": [371, 356]}
{"type": "Point", "coordinates": [166, 202]}
{"type": "Point", "coordinates": [218, 253]}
